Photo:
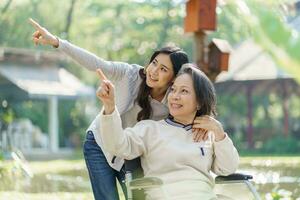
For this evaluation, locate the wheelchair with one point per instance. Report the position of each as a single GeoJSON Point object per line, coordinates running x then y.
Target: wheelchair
{"type": "Point", "coordinates": [233, 187]}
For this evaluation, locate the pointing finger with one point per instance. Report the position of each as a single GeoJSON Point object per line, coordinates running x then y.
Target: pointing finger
{"type": "Point", "coordinates": [35, 24]}
{"type": "Point", "coordinates": [101, 75]}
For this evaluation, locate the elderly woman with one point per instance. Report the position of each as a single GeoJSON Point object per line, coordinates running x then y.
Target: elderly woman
{"type": "Point", "coordinates": [166, 147]}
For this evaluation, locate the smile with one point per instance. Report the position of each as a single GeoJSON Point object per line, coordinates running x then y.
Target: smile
{"type": "Point", "coordinates": [152, 78]}
{"type": "Point", "coordinates": [175, 105]}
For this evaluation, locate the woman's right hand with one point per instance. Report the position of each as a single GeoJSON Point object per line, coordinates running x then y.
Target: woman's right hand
{"type": "Point", "coordinates": [105, 93]}
{"type": "Point", "coordinates": [42, 35]}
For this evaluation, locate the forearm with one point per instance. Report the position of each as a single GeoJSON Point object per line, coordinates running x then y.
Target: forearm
{"type": "Point", "coordinates": [110, 129]}
{"type": "Point", "coordinates": [117, 141]}
{"type": "Point", "coordinates": [85, 58]}
{"type": "Point", "coordinates": [226, 157]}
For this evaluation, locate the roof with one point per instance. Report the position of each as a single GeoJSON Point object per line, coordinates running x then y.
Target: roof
{"type": "Point", "coordinates": [251, 66]}
{"type": "Point", "coordinates": [222, 45]}
{"type": "Point", "coordinates": [249, 61]}
{"type": "Point", "coordinates": [42, 82]}
{"type": "Point", "coordinates": [30, 56]}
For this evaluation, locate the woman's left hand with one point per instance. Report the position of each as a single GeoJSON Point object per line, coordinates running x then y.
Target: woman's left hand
{"type": "Point", "coordinates": [205, 124]}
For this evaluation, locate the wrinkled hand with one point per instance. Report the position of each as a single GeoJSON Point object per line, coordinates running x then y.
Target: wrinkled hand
{"type": "Point", "coordinates": [42, 35]}
{"type": "Point", "coordinates": [205, 124]}
{"type": "Point", "coordinates": [105, 93]}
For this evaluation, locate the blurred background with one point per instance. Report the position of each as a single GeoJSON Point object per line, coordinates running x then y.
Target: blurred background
{"type": "Point", "coordinates": [47, 101]}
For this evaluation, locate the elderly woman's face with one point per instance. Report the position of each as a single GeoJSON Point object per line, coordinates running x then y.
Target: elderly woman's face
{"type": "Point", "coordinates": [182, 100]}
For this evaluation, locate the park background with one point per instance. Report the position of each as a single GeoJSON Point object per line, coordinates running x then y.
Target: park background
{"type": "Point", "coordinates": [260, 33]}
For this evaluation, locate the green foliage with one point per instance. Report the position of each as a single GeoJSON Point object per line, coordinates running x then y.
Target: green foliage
{"type": "Point", "coordinates": [276, 196]}
{"type": "Point", "coordinates": [1, 156]}
{"type": "Point", "coordinates": [268, 122]}
{"type": "Point", "coordinates": [72, 118]}
{"type": "Point", "coordinates": [128, 31]}
{"type": "Point", "coordinates": [35, 110]}
{"type": "Point", "coordinates": [124, 30]}
{"type": "Point", "coordinates": [281, 194]}
{"type": "Point", "coordinates": [265, 22]}
{"type": "Point", "coordinates": [281, 145]}
{"type": "Point", "coordinates": [7, 115]}
{"type": "Point", "coordinates": [73, 122]}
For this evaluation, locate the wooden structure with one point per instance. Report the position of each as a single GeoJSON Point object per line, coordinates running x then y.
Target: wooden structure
{"type": "Point", "coordinates": [27, 74]}
{"type": "Point", "coordinates": [252, 71]}
{"type": "Point", "coordinates": [219, 51]}
{"type": "Point", "coordinates": [201, 17]}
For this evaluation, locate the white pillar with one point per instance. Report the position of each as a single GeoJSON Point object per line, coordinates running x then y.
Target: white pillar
{"type": "Point", "coordinates": [53, 123]}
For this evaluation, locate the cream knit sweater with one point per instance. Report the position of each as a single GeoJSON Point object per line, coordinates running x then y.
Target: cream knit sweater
{"type": "Point", "coordinates": [168, 152]}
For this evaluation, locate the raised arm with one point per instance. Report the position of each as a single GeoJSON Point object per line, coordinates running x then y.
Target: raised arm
{"type": "Point", "coordinates": [114, 70]}
{"type": "Point", "coordinates": [128, 143]}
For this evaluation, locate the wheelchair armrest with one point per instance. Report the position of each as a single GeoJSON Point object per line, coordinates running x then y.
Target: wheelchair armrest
{"type": "Point", "coordinates": [234, 177]}
{"type": "Point", "coordinates": [148, 182]}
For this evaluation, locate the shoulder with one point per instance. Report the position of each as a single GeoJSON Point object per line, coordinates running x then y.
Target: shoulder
{"type": "Point", "coordinates": [130, 75]}
{"type": "Point", "coordinates": [126, 66]}
{"type": "Point", "coordinates": [148, 124]}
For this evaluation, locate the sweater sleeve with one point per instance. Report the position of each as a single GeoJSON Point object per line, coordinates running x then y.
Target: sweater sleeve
{"type": "Point", "coordinates": [114, 70]}
{"type": "Point", "coordinates": [126, 143]}
{"type": "Point", "coordinates": [226, 158]}
{"type": "Point", "coordinates": [124, 76]}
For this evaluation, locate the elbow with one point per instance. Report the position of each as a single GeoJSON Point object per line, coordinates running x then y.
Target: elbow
{"type": "Point", "coordinates": [225, 171]}
{"type": "Point", "coordinates": [233, 165]}
{"type": "Point", "coordinates": [228, 167]}
{"type": "Point", "coordinates": [232, 169]}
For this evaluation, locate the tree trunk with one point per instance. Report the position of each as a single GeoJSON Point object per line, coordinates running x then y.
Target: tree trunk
{"type": "Point", "coordinates": [165, 26]}
{"type": "Point", "coordinates": [69, 19]}
{"type": "Point", "coordinates": [5, 8]}
{"type": "Point", "coordinates": [285, 109]}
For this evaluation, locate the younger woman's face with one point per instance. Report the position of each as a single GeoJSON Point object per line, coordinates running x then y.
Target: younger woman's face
{"type": "Point", "coordinates": [159, 72]}
{"type": "Point", "coordinates": [182, 101]}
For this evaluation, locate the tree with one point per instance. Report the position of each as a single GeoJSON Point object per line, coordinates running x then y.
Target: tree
{"type": "Point", "coordinates": [266, 24]}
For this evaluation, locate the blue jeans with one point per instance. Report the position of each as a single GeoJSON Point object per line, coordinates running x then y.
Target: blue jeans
{"type": "Point", "coordinates": [102, 176]}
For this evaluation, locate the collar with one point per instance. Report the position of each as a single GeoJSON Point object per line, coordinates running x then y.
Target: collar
{"type": "Point", "coordinates": [170, 120]}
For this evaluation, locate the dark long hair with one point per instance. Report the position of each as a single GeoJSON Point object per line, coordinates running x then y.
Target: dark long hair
{"type": "Point", "coordinates": [204, 89]}
{"type": "Point", "coordinates": [178, 57]}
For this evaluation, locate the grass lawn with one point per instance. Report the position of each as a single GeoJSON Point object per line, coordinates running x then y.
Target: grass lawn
{"type": "Point", "coordinates": [46, 196]}
{"type": "Point", "coordinates": [53, 180]}
{"type": "Point", "coordinates": [68, 179]}
{"type": "Point", "coordinates": [271, 160]}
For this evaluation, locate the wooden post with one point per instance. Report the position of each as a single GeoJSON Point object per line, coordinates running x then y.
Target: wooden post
{"type": "Point", "coordinates": [249, 116]}
{"type": "Point", "coordinates": [200, 17]}
{"type": "Point", "coordinates": [285, 109]}
{"type": "Point", "coordinates": [199, 38]}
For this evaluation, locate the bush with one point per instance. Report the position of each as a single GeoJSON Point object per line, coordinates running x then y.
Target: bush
{"type": "Point", "coordinates": [281, 145]}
